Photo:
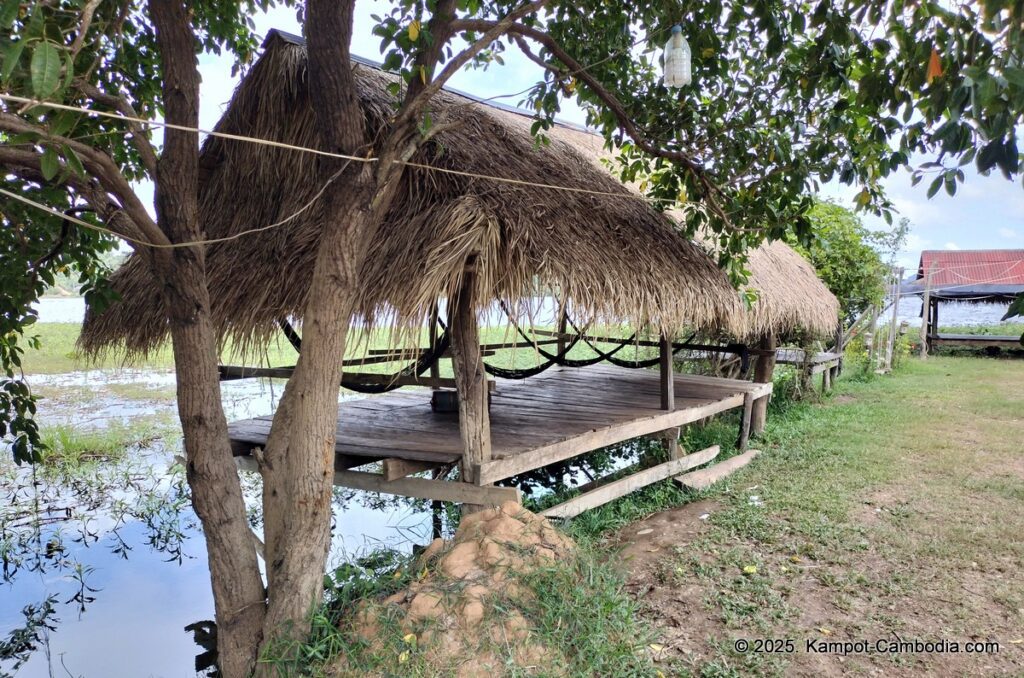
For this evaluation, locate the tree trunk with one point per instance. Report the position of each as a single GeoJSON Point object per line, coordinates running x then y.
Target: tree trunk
{"type": "Point", "coordinates": [470, 378]}
{"type": "Point", "coordinates": [216, 491]}
{"type": "Point", "coordinates": [764, 370]}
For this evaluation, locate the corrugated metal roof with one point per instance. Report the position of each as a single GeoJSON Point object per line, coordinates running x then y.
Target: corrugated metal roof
{"type": "Point", "coordinates": [972, 267]}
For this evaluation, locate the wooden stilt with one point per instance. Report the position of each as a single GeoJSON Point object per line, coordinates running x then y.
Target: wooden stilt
{"type": "Point", "coordinates": [435, 369]}
{"type": "Point", "coordinates": [668, 395]}
{"type": "Point", "coordinates": [563, 324]}
{"type": "Point", "coordinates": [748, 406]}
{"type": "Point", "coordinates": [764, 370]}
{"type": "Point", "coordinates": [470, 378]}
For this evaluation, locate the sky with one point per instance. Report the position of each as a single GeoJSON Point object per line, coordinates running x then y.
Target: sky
{"type": "Point", "coordinates": [986, 213]}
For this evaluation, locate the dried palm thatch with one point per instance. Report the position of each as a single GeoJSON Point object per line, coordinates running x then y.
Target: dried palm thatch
{"type": "Point", "coordinates": [613, 258]}
{"type": "Point", "coordinates": [790, 296]}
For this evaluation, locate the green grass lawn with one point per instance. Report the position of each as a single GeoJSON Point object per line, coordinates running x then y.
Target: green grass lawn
{"type": "Point", "coordinates": [892, 509]}
{"type": "Point", "coordinates": [58, 352]}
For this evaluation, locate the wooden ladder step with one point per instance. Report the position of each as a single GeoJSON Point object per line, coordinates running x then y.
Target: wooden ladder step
{"type": "Point", "coordinates": [706, 477]}
{"type": "Point", "coordinates": [619, 488]}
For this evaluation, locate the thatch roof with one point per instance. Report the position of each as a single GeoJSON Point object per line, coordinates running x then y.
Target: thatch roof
{"type": "Point", "coordinates": [791, 296]}
{"type": "Point", "coordinates": [614, 258]}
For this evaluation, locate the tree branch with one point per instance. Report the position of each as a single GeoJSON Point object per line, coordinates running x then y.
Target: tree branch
{"type": "Point", "coordinates": [120, 104]}
{"type": "Point", "coordinates": [27, 165]}
{"type": "Point", "coordinates": [493, 30]}
{"type": "Point", "coordinates": [103, 168]}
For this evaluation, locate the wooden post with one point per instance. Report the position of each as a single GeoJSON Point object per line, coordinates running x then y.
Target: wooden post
{"type": "Point", "coordinates": [470, 378]}
{"type": "Point", "coordinates": [748, 406]}
{"type": "Point", "coordinates": [563, 323]}
{"type": "Point", "coordinates": [668, 393]}
{"type": "Point", "coordinates": [435, 369]}
{"type": "Point", "coordinates": [764, 370]}
{"type": "Point", "coordinates": [926, 308]}
{"type": "Point", "coordinates": [897, 278]}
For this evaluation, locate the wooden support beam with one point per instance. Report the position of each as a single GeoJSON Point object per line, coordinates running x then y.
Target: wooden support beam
{"type": "Point", "coordinates": [602, 437]}
{"type": "Point", "coordinates": [400, 468]}
{"type": "Point", "coordinates": [420, 488]}
{"type": "Point", "coordinates": [435, 369]}
{"type": "Point", "coordinates": [470, 377]}
{"type": "Point", "coordinates": [232, 372]}
{"type": "Point", "coordinates": [926, 305]}
{"type": "Point", "coordinates": [706, 477]}
{"type": "Point", "coordinates": [668, 387]}
{"type": "Point", "coordinates": [748, 407]}
{"type": "Point", "coordinates": [764, 371]}
{"type": "Point", "coordinates": [563, 325]}
{"type": "Point", "coordinates": [620, 488]}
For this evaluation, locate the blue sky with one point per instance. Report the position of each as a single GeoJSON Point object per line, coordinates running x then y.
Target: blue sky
{"type": "Point", "coordinates": [987, 212]}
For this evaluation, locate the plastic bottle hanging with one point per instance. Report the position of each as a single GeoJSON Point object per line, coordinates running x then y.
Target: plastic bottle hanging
{"type": "Point", "coordinates": [677, 59]}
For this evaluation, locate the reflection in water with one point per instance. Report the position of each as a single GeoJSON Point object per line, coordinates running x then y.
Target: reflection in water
{"type": "Point", "coordinates": [104, 566]}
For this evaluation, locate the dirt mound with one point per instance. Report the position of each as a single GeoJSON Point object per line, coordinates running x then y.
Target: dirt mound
{"type": "Point", "coordinates": [457, 618]}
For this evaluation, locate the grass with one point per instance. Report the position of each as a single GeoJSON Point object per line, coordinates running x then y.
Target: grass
{"type": "Point", "coordinates": [1008, 329]}
{"type": "Point", "coordinates": [70, 448]}
{"type": "Point", "coordinates": [892, 507]}
{"type": "Point", "coordinates": [59, 354]}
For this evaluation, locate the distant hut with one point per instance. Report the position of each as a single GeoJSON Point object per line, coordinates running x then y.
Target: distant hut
{"type": "Point", "coordinates": [608, 256]}
{"type": "Point", "coordinates": [792, 301]}
{"type": "Point", "coordinates": [993, 277]}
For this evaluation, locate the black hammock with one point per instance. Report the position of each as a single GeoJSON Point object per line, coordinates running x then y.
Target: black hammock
{"type": "Point", "coordinates": [389, 382]}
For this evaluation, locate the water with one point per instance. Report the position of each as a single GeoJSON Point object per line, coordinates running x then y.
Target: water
{"type": "Point", "coordinates": [117, 549]}
{"type": "Point", "coordinates": [72, 310]}
{"type": "Point", "coordinates": [951, 314]}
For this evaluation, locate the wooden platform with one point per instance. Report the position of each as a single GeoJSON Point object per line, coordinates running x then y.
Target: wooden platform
{"type": "Point", "coordinates": [976, 341]}
{"type": "Point", "coordinates": [819, 362]}
{"type": "Point", "coordinates": [557, 415]}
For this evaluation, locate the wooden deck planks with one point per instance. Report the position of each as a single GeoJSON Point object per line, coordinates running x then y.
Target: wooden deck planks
{"type": "Point", "coordinates": [550, 417]}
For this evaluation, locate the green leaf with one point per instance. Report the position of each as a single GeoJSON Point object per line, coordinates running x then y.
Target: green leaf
{"type": "Point", "coordinates": [45, 69]}
{"type": "Point", "coordinates": [1016, 308]}
{"type": "Point", "coordinates": [49, 163]}
{"type": "Point", "coordinates": [74, 163]}
{"type": "Point", "coordinates": [11, 57]}
{"type": "Point", "coordinates": [936, 185]}
{"type": "Point", "coordinates": [8, 13]}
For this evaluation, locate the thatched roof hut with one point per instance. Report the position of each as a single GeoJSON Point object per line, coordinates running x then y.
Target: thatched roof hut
{"type": "Point", "coordinates": [614, 258]}
{"type": "Point", "coordinates": [791, 296]}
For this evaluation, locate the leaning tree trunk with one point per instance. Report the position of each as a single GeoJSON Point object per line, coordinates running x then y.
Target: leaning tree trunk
{"type": "Point", "coordinates": [216, 491]}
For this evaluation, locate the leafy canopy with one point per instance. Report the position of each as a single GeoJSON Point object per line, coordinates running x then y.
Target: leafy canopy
{"type": "Point", "coordinates": [786, 96]}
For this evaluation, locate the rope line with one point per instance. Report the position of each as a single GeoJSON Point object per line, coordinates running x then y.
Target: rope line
{"type": "Point", "coordinates": [330, 154]}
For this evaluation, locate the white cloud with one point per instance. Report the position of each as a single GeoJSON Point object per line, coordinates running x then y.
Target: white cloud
{"type": "Point", "coordinates": [1008, 233]}
{"type": "Point", "coordinates": [952, 246]}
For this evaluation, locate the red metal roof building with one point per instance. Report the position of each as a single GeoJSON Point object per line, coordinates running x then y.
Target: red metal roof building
{"type": "Point", "coordinates": [970, 275]}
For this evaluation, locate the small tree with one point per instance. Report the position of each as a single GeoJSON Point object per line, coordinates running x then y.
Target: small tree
{"type": "Point", "coordinates": [848, 257]}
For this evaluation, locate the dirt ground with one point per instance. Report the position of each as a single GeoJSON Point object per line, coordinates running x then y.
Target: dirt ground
{"type": "Point", "coordinates": [908, 530]}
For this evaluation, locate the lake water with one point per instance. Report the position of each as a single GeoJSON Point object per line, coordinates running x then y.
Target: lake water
{"type": "Point", "coordinates": [72, 310]}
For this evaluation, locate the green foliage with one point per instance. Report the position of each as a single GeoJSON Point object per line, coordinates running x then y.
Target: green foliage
{"type": "Point", "coordinates": [51, 51]}
{"type": "Point", "coordinates": [1016, 309]}
{"type": "Point", "coordinates": [843, 253]}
